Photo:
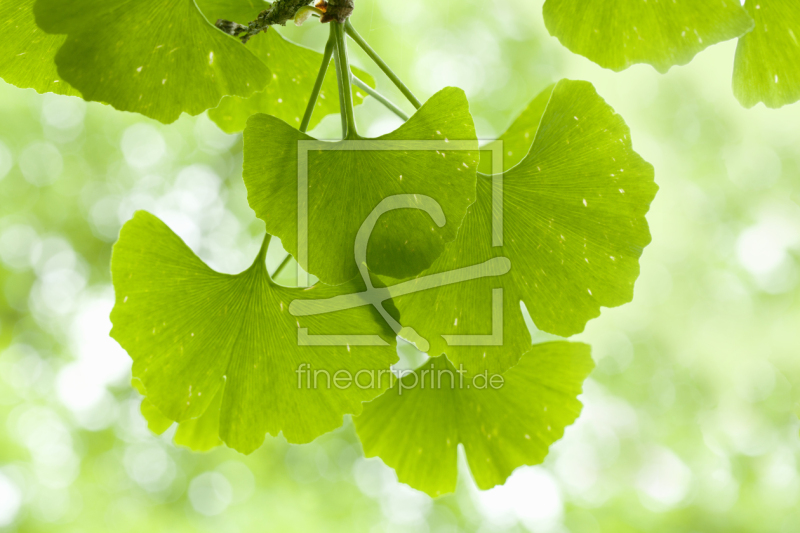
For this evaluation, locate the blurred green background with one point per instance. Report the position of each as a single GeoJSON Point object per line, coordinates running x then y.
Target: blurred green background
{"type": "Point", "coordinates": [690, 419]}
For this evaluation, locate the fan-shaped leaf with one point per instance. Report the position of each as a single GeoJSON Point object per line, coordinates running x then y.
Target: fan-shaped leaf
{"type": "Point", "coordinates": [573, 229]}
{"type": "Point", "coordinates": [662, 33]}
{"type": "Point", "coordinates": [348, 180]}
{"type": "Point", "coordinates": [197, 337]}
{"type": "Point", "coordinates": [416, 430]}
{"type": "Point", "coordinates": [767, 67]}
{"type": "Point", "coordinates": [155, 57]}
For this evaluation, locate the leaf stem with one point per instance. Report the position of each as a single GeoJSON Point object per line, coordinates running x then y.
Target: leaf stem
{"type": "Point", "coordinates": [282, 266]}
{"type": "Point", "coordinates": [341, 87]}
{"type": "Point", "coordinates": [345, 80]}
{"type": "Point", "coordinates": [323, 70]}
{"type": "Point", "coordinates": [391, 106]}
{"type": "Point", "coordinates": [351, 31]}
{"type": "Point", "coordinates": [262, 253]}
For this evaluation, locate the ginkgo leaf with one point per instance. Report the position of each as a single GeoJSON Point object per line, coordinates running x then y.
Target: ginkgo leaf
{"type": "Point", "coordinates": [28, 59]}
{"type": "Point", "coordinates": [198, 434]}
{"type": "Point", "coordinates": [294, 71]}
{"type": "Point", "coordinates": [159, 58]}
{"type": "Point", "coordinates": [197, 336]}
{"type": "Point", "coordinates": [767, 66]}
{"type": "Point", "coordinates": [662, 33]}
{"type": "Point", "coordinates": [573, 227]}
{"type": "Point", "coordinates": [347, 180]}
{"type": "Point", "coordinates": [503, 422]}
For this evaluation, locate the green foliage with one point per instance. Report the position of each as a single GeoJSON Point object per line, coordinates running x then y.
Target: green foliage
{"type": "Point", "coordinates": [28, 52]}
{"type": "Point", "coordinates": [223, 357]}
{"type": "Point", "coordinates": [293, 71]}
{"type": "Point", "coordinates": [767, 67]}
{"type": "Point", "coordinates": [195, 334]}
{"type": "Point", "coordinates": [710, 340]}
{"type": "Point", "coordinates": [417, 431]}
{"type": "Point", "coordinates": [155, 57]}
{"type": "Point", "coordinates": [407, 240]}
{"type": "Point", "coordinates": [573, 228]}
{"type": "Point", "coordinates": [662, 33]}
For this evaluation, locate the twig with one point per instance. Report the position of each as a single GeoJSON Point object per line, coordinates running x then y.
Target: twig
{"type": "Point", "coordinates": [279, 13]}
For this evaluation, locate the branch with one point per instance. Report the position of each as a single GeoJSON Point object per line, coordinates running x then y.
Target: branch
{"type": "Point", "coordinates": [278, 13]}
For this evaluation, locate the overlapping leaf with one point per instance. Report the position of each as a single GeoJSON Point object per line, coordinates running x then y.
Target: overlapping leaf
{"type": "Point", "coordinates": [155, 57]}
{"type": "Point", "coordinates": [198, 337]}
{"type": "Point", "coordinates": [767, 67]}
{"type": "Point", "coordinates": [517, 139]}
{"type": "Point", "coordinates": [417, 432]}
{"type": "Point", "coordinates": [28, 58]}
{"type": "Point", "coordinates": [348, 180]}
{"type": "Point", "coordinates": [573, 226]}
{"type": "Point", "coordinates": [662, 33]}
{"type": "Point", "coordinates": [294, 71]}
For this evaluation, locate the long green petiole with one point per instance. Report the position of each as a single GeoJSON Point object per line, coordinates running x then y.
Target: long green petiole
{"type": "Point", "coordinates": [391, 106]}
{"type": "Point", "coordinates": [351, 31]}
{"type": "Point", "coordinates": [262, 256]}
{"type": "Point", "coordinates": [323, 70]}
{"type": "Point", "coordinates": [262, 252]}
{"type": "Point", "coordinates": [341, 87]}
{"type": "Point", "coordinates": [282, 266]}
{"type": "Point", "coordinates": [345, 79]}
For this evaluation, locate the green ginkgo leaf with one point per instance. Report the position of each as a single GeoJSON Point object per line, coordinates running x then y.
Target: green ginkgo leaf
{"type": "Point", "coordinates": [294, 71]}
{"type": "Point", "coordinates": [198, 434]}
{"type": "Point", "coordinates": [28, 59]}
{"type": "Point", "coordinates": [662, 33]}
{"type": "Point", "coordinates": [573, 227]}
{"type": "Point", "coordinates": [198, 337]}
{"type": "Point", "coordinates": [347, 180]}
{"type": "Point", "coordinates": [767, 67]}
{"type": "Point", "coordinates": [159, 58]}
{"type": "Point", "coordinates": [502, 423]}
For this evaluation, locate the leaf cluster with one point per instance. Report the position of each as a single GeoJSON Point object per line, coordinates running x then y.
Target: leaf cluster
{"type": "Point", "coordinates": [220, 355]}
{"type": "Point", "coordinates": [616, 35]}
